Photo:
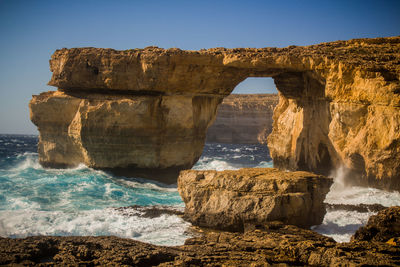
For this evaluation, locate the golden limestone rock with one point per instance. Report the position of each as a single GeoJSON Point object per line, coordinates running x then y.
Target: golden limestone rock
{"type": "Point", "coordinates": [382, 227]}
{"type": "Point", "coordinates": [228, 200]}
{"type": "Point", "coordinates": [147, 136]}
{"type": "Point", "coordinates": [339, 106]}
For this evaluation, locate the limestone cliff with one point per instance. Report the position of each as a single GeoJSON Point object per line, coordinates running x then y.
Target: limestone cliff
{"type": "Point", "coordinates": [243, 119]}
{"type": "Point", "coordinates": [339, 105]}
{"type": "Point", "coordinates": [146, 136]}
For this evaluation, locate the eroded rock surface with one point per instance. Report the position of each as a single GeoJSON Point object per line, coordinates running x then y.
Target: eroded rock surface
{"type": "Point", "coordinates": [382, 227]}
{"type": "Point", "coordinates": [93, 251]}
{"type": "Point", "coordinates": [147, 136]}
{"type": "Point", "coordinates": [243, 119]}
{"type": "Point", "coordinates": [270, 244]}
{"type": "Point", "coordinates": [339, 106]}
{"type": "Point", "coordinates": [229, 200]}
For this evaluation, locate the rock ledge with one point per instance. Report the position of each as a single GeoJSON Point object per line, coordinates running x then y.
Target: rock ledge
{"type": "Point", "coordinates": [229, 200]}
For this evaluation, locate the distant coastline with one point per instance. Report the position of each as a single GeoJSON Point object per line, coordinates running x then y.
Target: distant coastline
{"type": "Point", "coordinates": [243, 119]}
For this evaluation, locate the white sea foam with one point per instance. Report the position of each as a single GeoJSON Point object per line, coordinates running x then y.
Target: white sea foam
{"type": "Point", "coordinates": [29, 160]}
{"type": "Point", "coordinates": [78, 199]}
{"type": "Point", "coordinates": [342, 224]}
{"type": "Point", "coordinates": [361, 195]}
{"type": "Point", "coordinates": [162, 230]}
{"type": "Point", "coordinates": [265, 164]}
{"type": "Point", "coordinates": [216, 164]}
{"type": "Point", "coordinates": [146, 184]}
{"type": "Point", "coordinates": [251, 148]}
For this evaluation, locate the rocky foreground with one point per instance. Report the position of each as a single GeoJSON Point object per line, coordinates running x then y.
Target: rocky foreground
{"type": "Point", "coordinates": [145, 112]}
{"type": "Point", "coordinates": [251, 198]}
{"type": "Point", "coordinates": [243, 119]}
{"type": "Point", "coordinates": [269, 244]}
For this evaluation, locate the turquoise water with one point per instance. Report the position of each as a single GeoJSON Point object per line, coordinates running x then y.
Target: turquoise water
{"type": "Point", "coordinates": [83, 201]}
{"type": "Point", "coordinates": [28, 184]}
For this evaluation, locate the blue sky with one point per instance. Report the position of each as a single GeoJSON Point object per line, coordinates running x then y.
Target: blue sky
{"type": "Point", "coordinates": [32, 30]}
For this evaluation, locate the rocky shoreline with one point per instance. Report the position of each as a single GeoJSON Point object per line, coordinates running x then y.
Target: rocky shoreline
{"type": "Point", "coordinates": [263, 245]}
{"type": "Point", "coordinates": [247, 217]}
{"type": "Point", "coordinates": [145, 112]}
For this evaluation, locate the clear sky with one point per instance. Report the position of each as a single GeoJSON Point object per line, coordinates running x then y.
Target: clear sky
{"type": "Point", "coordinates": [31, 30]}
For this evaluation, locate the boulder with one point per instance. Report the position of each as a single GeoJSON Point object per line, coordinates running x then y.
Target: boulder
{"type": "Point", "coordinates": [229, 200]}
{"type": "Point", "coordinates": [382, 227]}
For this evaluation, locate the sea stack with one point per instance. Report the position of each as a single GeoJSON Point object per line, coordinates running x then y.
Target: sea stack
{"type": "Point", "coordinates": [148, 110]}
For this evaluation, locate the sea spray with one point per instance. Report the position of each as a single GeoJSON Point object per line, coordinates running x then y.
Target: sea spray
{"type": "Point", "coordinates": [341, 224]}
{"type": "Point", "coordinates": [79, 201]}
{"type": "Point", "coordinates": [82, 201]}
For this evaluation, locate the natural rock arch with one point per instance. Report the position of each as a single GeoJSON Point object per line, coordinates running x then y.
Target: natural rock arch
{"type": "Point", "coordinates": [149, 109]}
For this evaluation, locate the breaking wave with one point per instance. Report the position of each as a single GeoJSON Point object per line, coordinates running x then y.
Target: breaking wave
{"type": "Point", "coordinates": [342, 224]}
{"type": "Point", "coordinates": [79, 201]}
{"type": "Point", "coordinates": [83, 201]}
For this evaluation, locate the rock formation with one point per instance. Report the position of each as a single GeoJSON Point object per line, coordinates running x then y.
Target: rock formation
{"type": "Point", "coordinates": [147, 136]}
{"type": "Point", "coordinates": [229, 200]}
{"type": "Point", "coordinates": [269, 244]}
{"type": "Point", "coordinates": [339, 106]}
{"type": "Point", "coordinates": [382, 227]}
{"type": "Point", "coordinates": [243, 119]}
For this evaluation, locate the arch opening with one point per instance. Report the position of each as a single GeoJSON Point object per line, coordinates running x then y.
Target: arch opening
{"type": "Point", "coordinates": [237, 138]}
{"type": "Point", "coordinates": [245, 116]}
{"type": "Point", "coordinates": [295, 117]}
{"type": "Point", "coordinates": [256, 85]}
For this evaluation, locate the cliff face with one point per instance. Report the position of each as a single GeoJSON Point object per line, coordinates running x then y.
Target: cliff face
{"type": "Point", "coordinates": [243, 119]}
{"type": "Point", "coordinates": [148, 136]}
{"type": "Point", "coordinates": [339, 105]}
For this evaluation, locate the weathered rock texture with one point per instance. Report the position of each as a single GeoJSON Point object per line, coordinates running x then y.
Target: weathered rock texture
{"type": "Point", "coordinates": [148, 136]}
{"type": "Point", "coordinates": [339, 106]}
{"type": "Point", "coordinates": [229, 200]}
{"type": "Point", "coordinates": [243, 119]}
{"type": "Point", "coordinates": [382, 227]}
{"type": "Point", "coordinates": [271, 244]}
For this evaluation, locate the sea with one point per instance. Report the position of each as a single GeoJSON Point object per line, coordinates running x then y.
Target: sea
{"type": "Point", "coordinates": [85, 202]}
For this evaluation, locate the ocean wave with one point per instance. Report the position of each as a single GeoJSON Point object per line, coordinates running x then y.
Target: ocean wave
{"type": "Point", "coordinates": [265, 164]}
{"type": "Point", "coordinates": [27, 160]}
{"type": "Point", "coordinates": [219, 164]}
{"type": "Point", "coordinates": [342, 224]}
{"type": "Point", "coordinates": [27, 186]}
{"type": "Point", "coordinates": [215, 164]}
{"type": "Point", "coordinates": [340, 193]}
{"type": "Point", "coordinates": [361, 195]}
{"type": "Point", "coordinates": [146, 184]}
{"type": "Point", "coordinates": [162, 230]}
{"type": "Point", "coordinates": [83, 201]}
